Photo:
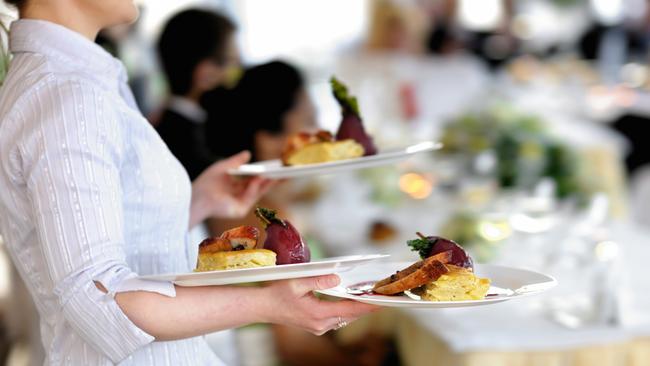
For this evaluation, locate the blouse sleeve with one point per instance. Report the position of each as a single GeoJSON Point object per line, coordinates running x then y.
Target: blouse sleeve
{"type": "Point", "coordinates": [71, 152]}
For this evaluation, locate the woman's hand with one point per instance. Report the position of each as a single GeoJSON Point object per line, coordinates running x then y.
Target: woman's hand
{"type": "Point", "coordinates": [292, 303]}
{"type": "Point", "coordinates": [215, 193]}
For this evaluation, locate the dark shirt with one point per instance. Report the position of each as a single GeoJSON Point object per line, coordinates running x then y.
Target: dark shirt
{"type": "Point", "coordinates": [187, 141]}
{"type": "Point", "coordinates": [220, 106]}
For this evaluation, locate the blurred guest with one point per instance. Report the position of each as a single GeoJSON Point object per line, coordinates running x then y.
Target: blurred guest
{"type": "Point", "coordinates": [198, 53]}
{"type": "Point", "coordinates": [489, 30]}
{"type": "Point", "coordinates": [444, 36]}
{"type": "Point", "coordinates": [397, 26]}
{"type": "Point", "coordinates": [269, 103]}
{"type": "Point", "coordinates": [611, 45]}
{"type": "Point", "coordinates": [613, 42]}
{"type": "Point", "coordinates": [640, 195]}
{"type": "Point", "coordinates": [634, 126]}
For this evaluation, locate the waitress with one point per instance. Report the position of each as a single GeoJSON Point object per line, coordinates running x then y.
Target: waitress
{"type": "Point", "coordinates": [90, 198]}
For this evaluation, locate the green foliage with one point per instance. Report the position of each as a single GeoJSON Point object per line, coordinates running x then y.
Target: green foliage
{"type": "Point", "coordinates": [525, 151]}
{"type": "Point", "coordinates": [567, 3]}
{"type": "Point", "coordinates": [383, 182]}
{"type": "Point", "coordinates": [464, 227]}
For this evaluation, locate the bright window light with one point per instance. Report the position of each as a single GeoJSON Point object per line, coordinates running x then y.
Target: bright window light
{"type": "Point", "coordinates": [156, 12]}
{"type": "Point", "coordinates": [481, 15]}
{"type": "Point", "coordinates": [305, 31]}
{"type": "Point", "coordinates": [608, 11]}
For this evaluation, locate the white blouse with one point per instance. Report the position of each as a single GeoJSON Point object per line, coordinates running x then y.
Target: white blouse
{"type": "Point", "coordinates": [88, 192]}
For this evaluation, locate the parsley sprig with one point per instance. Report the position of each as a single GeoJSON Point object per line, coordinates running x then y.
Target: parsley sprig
{"type": "Point", "coordinates": [422, 245]}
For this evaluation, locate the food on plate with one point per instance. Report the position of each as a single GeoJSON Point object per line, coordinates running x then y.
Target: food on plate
{"type": "Point", "coordinates": [416, 275]}
{"type": "Point", "coordinates": [351, 140]}
{"type": "Point", "coordinates": [351, 126]}
{"type": "Point", "coordinates": [240, 247]}
{"type": "Point", "coordinates": [282, 238]}
{"type": "Point", "coordinates": [234, 249]}
{"type": "Point", "coordinates": [245, 258]}
{"type": "Point", "coordinates": [457, 284]}
{"type": "Point", "coordinates": [445, 273]}
{"type": "Point", "coordinates": [381, 231]}
{"type": "Point", "coordinates": [320, 147]}
{"type": "Point", "coordinates": [428, 246]}
{"type": "Point", "coordinates": [242, 237]}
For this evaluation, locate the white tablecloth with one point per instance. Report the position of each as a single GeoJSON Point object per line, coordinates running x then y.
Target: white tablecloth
{"type": "Point", "coordinates": [515, 325]}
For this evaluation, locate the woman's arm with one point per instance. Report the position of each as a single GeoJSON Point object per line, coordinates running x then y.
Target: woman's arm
{"type": "Point", "coordinates": [215, 193]}
{"type": "Point", "coordinates": [200, 310]}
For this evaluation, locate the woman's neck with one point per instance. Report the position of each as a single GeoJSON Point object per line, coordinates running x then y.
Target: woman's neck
{"type": "Point", "coordinates": [66, 16]}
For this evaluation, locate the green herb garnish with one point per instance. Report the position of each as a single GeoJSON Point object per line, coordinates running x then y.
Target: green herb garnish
{"type": "Point", "coordinates": [268, 216]}
{"type": "Point", "coordinates": [348, 103]}
{"type": "Point", "coordinates": [422, 246]}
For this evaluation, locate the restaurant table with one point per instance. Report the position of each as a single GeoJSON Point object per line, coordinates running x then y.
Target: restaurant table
{"type": "Point", "coordinates": [418, 346]}
{"type": "Point", "coordinates": [517, 332]}
{"type": "Point", "coordinates": [520, 332]}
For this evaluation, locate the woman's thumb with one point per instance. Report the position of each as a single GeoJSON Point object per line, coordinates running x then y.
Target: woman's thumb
{"type": "Point", "coordinates": [317, 283]}
{"type": "Point", "coordinates": [237, 159]}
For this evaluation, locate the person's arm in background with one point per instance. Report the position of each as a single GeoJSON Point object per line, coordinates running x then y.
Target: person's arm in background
{"type": "Point", "coordinates": [71, 152]}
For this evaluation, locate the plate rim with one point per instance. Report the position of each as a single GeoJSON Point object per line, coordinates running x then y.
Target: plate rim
{"type": "Point", "coordinates": [419, 147]}
{"type": "Point", "coordinates": [253, 271]}
{"type": "Point", "coordinates": [550, 283]}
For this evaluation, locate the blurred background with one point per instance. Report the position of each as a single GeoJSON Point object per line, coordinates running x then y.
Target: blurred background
{"type": "Point", "coordinates": [543, 107]}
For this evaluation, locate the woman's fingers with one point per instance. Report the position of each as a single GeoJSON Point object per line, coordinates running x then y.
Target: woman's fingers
{"type": "Point", "coordinates": [336, 315]}
{"type": "Point", "coordinates": [332, 324]}
{"type": "Point", "coordinates": [255, 189]}
{"type": "Point", "coordinates": [306, 311]}
{"type": "Point", "coordinates": [347, 308]}
{"type": "Point", "coordinates": [340, 322]}
{"type": "Point", "coordinates": [264, 188]}
{"type": "Point", "coordinates": [235, 160]}
{"type": "Point", "coordinates": [303, 286]}
{"type": "Point", "coordinates": [268, 184]}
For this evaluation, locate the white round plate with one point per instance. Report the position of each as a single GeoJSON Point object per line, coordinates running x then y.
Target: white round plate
{"type": "Point", "coordinates": [274, 168]}
{"type": "Point", "coordinates": [507, 283]}
{"type": "Point", "coordinates": [260, 274]}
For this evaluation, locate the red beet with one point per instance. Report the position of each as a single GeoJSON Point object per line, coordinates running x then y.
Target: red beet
{"type": "Point", "coordinates": [283, 238]}
{"type": "Point", "coordinates": [351, 126]}
{"type": "Point", "coordinates": [428, 246]}
{"type": "Point", "coordinates": [459, 256]}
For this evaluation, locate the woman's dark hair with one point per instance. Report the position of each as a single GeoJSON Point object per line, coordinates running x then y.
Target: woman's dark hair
{"type": "Point", "coordinates": [260, 101]}
{"type": "Point", "coordinates": [188, 38]}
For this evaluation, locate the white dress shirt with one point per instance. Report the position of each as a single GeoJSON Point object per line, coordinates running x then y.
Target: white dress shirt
{"type": "Point", "coordinates": [88, 192]}
{"type": "Point", "coordinates": [187, 108]}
